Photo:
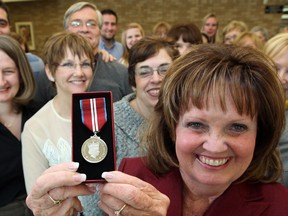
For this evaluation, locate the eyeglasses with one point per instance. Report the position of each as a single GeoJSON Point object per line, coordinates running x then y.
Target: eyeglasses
{"type": "Point", "coordinates": [146, 71]}
{"type": "Point", "coordinates": [71, 66]}
{"type": "Point", "coordinates": [3, 23]}
{"type": "Point", "coordinates": [79, 23]}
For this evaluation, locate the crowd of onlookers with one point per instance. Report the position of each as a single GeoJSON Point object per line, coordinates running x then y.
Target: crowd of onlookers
{"type": "Point", "coordinates": [203, 111]}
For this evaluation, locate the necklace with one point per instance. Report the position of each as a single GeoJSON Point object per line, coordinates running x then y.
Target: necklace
{"type": "Point", "coordinates": [9, 124]}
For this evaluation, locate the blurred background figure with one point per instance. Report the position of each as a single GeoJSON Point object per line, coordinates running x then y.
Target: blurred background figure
{"type": "Point", "coordinates": [205, 38]}
{"type": "Point", "coordinates": [184, 35]}
{"type": "Point", "coordinates": [4, 19]}
{"type": "Point", "coordinates": [232, 30]}
{"type": "Point", "coordinates": [108, 32]}
{"type": "Point", "coordinates": [36, 63]}
{"type": "Point", "coordinates": [249, 39]}
{"type": "Point", "coordinates": [261, 32]}
{"type": "Point", "coordinates": [130, 35]}
{"type": "Point", "coordinates": [277, 49]}
{"type": "Point", "coordinates": [210, 26]}
{"type": "Point", "coordinates": [161, 29]}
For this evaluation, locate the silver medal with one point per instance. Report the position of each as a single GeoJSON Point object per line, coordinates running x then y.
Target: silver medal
{"type": "Point", "coordinates": [94, 149]}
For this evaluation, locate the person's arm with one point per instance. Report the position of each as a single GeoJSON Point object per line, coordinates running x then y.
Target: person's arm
{"type": "Point", "coordinates": [136, 196]}
{"type": "Point", "coordinates": [63, 184]}
{"type": "Point", "coordinates": [33, 159]}
{"type": "Point", "coordinates": [106, 56]}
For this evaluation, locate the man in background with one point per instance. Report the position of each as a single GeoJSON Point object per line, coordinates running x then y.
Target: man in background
{"type": "Point", "coordinates": [108, 32]}
{"type": "Point", "coordinates": [85, 19]}
{"type": "Point", "coordinates": [35, 61]}
{"type": "Point", "coordinates": [4, 19]}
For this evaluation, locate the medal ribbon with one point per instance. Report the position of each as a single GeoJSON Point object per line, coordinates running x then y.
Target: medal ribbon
{"type": "Point", "coordinates": [93, 113]}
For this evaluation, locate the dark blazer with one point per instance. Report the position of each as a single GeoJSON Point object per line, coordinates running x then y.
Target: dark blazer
{"type": "Point", "coordinates": [238, 200]}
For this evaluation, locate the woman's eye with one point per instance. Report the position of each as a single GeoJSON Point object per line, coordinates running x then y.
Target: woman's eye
{"type": "Point", "coordinates": [238, 128]}
{"type": "Point", "coordinates": [196, 125]}
{"type": "Point", "coordinates": [67, 65]}
{"type": "Point", "coordinates": [86, 65]}
{"type": "Point", "coordinates": [8, 71]}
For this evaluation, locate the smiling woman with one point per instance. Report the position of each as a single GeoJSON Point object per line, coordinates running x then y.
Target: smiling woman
{"type": "Point", "coordinates": [213, 103]}
{"type": "Point", "coordinates": [17, 87]}
{"type": "Point", "coordinates": [46, 137]}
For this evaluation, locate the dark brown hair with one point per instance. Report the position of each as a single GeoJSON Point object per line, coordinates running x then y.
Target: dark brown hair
{"type": "Point", "coordinates": [210, 71]}
{"type": "Point", "coordinates": [146, 48]}
{"type": "Point", "coordinates": [189, 32]}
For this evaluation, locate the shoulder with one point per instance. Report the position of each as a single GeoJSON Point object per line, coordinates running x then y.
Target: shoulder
{"type": "Point", "coordinates": [33, 57]}
{"type": "Point", "coordinates": [124, 103]}
{"type": "Point", "coordinates": [113, 66]}
{"type": "Point", "coordinates": [101, 44]}
{"type": "Point", "coordinates": [125, 117]}
{"type": "Point", "coordinates": [274, 193]}
{"type": "Point", "coordinates": [41, 114]}
{"type": "Point", "coordinates": [259, 198]}
{"type": "Point", "coordinates": [118, 44]}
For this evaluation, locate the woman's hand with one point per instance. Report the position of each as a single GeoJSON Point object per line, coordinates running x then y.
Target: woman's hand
{"type": "Point", "coordinates": [136, 196]}
{"type": "Point", "coordinates": [106, 56]}
{"type": "Point", "coordinates": [55, 191]}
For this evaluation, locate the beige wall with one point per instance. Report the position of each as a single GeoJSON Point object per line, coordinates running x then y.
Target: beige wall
{"type": "Point", "coordinates": [47, 15]}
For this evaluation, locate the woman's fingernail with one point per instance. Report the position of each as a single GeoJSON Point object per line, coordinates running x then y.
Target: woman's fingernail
{"type": "Point", "coordinates": [79, 177]}
{"type": "Point", "coordinates": [107, 175]}
{"type": "Point", "coordinates": [74, 166]}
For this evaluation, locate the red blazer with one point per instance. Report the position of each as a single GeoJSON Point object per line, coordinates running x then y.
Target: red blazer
{"type": "Point", "coordinates": [238, 200]}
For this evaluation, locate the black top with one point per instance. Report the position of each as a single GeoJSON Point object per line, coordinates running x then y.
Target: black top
{"type": "Point", "coordinates": [12, 182]}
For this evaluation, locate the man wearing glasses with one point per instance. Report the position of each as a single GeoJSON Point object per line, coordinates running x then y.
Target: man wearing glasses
{"type": "Point", "coordinates": [85, 19]}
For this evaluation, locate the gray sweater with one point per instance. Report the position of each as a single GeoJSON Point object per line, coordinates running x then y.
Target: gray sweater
{"type": "Point", "coordinates": [128, 124]}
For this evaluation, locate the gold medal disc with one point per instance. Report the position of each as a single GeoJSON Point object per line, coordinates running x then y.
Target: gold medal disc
{"type": "Point", "coordinates": [94, 149]}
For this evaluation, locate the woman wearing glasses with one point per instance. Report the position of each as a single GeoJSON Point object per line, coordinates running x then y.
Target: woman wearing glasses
{"type": "Point", "coordinates": [149, 60]}
{"type": "Point", "coordinates": [46, 137]}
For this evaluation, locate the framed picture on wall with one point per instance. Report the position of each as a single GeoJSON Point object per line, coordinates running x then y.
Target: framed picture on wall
{"type": "Point", "coordinates": [25, 29]}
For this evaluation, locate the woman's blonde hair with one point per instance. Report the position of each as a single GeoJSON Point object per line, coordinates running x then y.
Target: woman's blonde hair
{"type": "Point", "coordinates": [125, 56]}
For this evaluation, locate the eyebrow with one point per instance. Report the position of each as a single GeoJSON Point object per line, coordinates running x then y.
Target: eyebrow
{"type": "Point", "coordinates": [147, 66]}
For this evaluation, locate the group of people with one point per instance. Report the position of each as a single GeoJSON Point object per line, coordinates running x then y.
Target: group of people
{"type": "Point", "coordinates": [198, 128]}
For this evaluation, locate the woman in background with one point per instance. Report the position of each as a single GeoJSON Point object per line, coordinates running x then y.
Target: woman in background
{"type": "Point", "coordinates": [161, 29]}
{"type": "Point", "coordinates": [130, 35]}
{"type": "Point", "coordinates": [47, 138]}
{"type": "Point", "coordinates": [249, 39]}
{"type": "Point", "coordinates": [184, 35]}
{"type": "Point", "coordinates": [232, 30]}
{"type": "Point", "coordinates": [17, 88]}
{"type": "Point", "coordinates": [210, 26]}
{"type": "Point", "coordinates": [277, 49]}
{"type": "Point", "coordinates": [149, 61]}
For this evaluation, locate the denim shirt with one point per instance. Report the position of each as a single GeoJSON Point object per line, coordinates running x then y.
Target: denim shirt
{"type": "Point", "coordinates": [116, 50]}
